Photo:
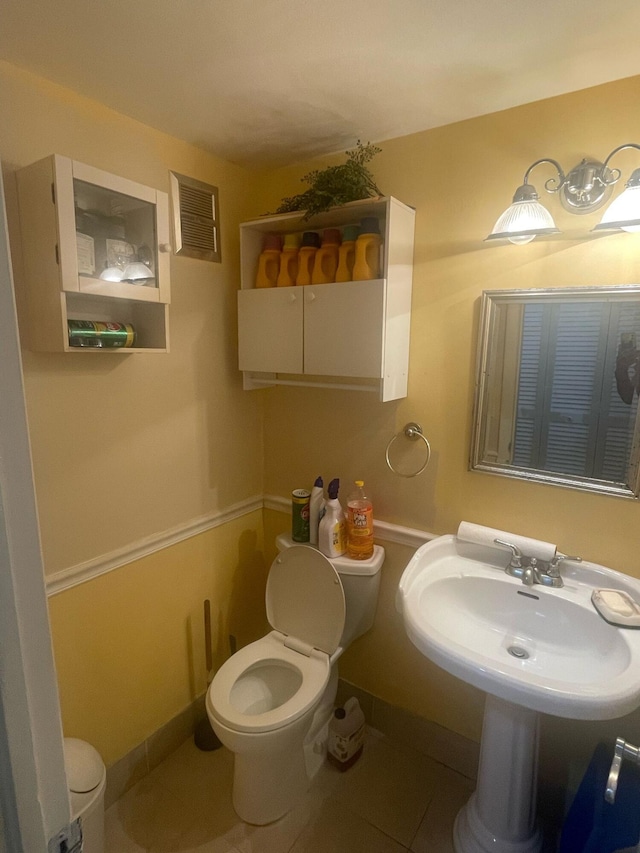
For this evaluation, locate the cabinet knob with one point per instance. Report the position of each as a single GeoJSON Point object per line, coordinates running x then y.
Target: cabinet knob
{"type": "Point", "coordinates": [292, 297]}
{"type": "Point", "coordinates": [165, 247]}
{"type": "Point", "coordinates": [311, 297]}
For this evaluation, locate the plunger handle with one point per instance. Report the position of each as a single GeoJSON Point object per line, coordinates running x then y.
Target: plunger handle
{"type": "Point", "coordinates": [207, 635]}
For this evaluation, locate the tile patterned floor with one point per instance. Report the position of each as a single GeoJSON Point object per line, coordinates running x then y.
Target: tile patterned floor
{"type": "Point", "coordinates": [393, 800]}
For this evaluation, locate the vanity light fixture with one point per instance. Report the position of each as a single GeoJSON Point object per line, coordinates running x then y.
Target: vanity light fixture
{"type": "Point", "coordinates": [587, 187]}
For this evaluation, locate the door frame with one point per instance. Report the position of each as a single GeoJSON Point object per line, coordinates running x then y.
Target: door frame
{"type": "Point", "coordinates": [34, 803]}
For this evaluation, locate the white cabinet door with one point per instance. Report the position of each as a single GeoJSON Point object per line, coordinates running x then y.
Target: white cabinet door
{"type": "Point", "coordinates": [344, 329]}
{"type": "Point", "coordinates": [270, 329]}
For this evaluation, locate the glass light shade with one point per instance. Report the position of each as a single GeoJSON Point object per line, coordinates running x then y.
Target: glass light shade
{"type": "Point", "coordinates": [624, 211]}
{"type": "Point", "coordinates": [136, 272]}
{"type": "Point", "coordinates": [524, 220]}
{"type": "Point", "coordinates": [111, 274]}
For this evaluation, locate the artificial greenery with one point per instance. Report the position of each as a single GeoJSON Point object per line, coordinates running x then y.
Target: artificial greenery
{"type": "Point", "coordinates": [336, 185]}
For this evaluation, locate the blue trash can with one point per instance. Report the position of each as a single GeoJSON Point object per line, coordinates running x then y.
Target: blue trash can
{"type": "Point", "coordinates": [595, 826]}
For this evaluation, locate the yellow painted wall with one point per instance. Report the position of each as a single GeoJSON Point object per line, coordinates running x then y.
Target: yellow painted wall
{"type": "Point", "coordinates": [460, 178]}
{"type": "Point", "coordinates": [125, 448]}
{"type": "Point", "coordinates": [129, 645]}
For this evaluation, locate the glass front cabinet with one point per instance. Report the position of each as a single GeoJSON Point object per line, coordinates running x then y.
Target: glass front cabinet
{"type": "Point", "coordinates": [96, 260]}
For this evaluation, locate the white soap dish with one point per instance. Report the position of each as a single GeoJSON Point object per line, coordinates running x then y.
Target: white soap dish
{"type": "Point", "coordinates": [616, 607]}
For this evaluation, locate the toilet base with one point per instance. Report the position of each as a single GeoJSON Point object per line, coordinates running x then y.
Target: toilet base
{"type": "Point", "coordinates": [266, 787]}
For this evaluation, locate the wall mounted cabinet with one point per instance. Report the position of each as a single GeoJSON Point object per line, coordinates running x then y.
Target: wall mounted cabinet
{"type": "Point", "coordinates": [330, 334]}
{"type": "Point", "coordinates": [96, 247]}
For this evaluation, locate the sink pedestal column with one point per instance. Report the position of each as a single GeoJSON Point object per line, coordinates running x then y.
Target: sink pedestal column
{"type": "Point", "coordinates": [500, 817]}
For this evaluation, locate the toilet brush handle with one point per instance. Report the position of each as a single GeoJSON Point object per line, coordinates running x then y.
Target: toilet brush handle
{"type": "Point", "coordinates": [207, 635]}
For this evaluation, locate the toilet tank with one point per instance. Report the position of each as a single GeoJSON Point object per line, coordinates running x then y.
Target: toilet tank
{"type": "Point", "coordinates": [360, 581]}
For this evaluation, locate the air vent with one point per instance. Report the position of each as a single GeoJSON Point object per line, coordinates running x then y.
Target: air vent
{"type": "Point", "coordinates": [196, 218]}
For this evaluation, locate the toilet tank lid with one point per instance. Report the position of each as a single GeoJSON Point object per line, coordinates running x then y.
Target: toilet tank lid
{"type": "Point", "coordinates": [85, 769]}
{"type": "Point", "coordinates": [343, 565]}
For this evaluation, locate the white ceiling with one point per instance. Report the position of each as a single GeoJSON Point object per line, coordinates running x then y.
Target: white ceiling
{"type": "Point", "coordinates": [266, 82]}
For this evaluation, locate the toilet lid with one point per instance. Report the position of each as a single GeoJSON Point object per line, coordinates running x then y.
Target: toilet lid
{"type": "Point", "coordinates": [305, 598]}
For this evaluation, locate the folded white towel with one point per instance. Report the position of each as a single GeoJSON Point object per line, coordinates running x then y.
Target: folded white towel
{"type": "Point", "coordinates": [486, 535]}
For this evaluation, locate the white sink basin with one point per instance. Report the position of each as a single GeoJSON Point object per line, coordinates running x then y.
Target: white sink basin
{"type": "Point", "coordinates": [466, 615]}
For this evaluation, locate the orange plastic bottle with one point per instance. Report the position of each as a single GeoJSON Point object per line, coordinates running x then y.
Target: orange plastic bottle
{"type": "Point", "coordinates": [269, 261]}
{"type": "Point", "coordinates": [359, 524]}
{"type": "Point", "coordinates": [306, 256]}
{"type": "Point", "coordinates": [289, 261]}
{"type": "Point", "coordinates": [325, 262]}
{"type": "Point", "coordinates": [347, 253]}
{"type": "Point", "coordinates": [367, 262]}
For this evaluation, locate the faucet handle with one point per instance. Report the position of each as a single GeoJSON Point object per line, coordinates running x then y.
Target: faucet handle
{"type": "Point", "coordinates": [516, 554]}
{"type": "Point", "coordinates": [622, 750]}
{"type": "Point", "coordinates": [554, 563]}
{"type": "Point", "coordinates": [614, 770]}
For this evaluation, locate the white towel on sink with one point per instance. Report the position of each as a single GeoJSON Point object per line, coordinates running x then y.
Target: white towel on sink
{"type": "Point", "coordinates": [486, 535]}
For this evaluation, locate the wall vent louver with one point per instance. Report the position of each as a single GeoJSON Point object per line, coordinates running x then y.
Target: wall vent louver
{"type": "Point", "coordinates": [196, 218]}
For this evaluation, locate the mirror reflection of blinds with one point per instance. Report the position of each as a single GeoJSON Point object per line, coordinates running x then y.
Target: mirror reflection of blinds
{"type": "Point", "coordinates": [570, 417]}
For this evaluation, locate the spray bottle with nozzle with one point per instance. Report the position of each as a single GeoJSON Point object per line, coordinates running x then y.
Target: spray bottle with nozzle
{"type": "Point", "coordinates": [332, 533]}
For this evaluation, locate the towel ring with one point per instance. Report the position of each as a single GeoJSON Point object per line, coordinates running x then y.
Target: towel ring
{"type": "Point", "coordinates": [412, 431]}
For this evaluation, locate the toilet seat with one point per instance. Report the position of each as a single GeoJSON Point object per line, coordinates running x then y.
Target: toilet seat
{"type": "Point", "coordinates": [274, 681]}
{"type": "Point", "coordinates": [311, 676]}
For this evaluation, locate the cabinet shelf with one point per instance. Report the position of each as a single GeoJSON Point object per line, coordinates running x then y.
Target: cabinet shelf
{"type": "Point", "coordinates": [325, 334]}
{"type": "Point", "coordinates": [77, 221]}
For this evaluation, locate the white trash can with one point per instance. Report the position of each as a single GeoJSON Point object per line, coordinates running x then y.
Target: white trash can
{"type": "Point", "coordinates": [87, 778]}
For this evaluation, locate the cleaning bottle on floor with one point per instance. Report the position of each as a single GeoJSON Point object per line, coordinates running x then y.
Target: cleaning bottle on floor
{"type": "Point", "coordinates": [346, 735]}
{"type": "Point", "coordinates": [332, 532]}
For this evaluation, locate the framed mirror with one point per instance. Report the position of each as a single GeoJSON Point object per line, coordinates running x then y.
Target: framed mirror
{"type": "Point", "coordinates": [557, 387]}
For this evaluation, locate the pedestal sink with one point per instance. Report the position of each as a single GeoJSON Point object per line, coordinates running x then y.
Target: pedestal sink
{"type": "Point", "coordinates": [532, 649]}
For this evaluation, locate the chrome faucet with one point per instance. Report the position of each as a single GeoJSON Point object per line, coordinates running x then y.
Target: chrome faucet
{"type": "Point", "coordinates": [532, 570]}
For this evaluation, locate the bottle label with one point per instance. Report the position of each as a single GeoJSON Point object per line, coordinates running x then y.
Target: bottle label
{"type": "Point", "coordinates": [338, 538]}
{"type": "Point", "coordinates": [361, 521]}
{"type": "Point", "coordinates": [360, 525]}
{"type": "Point", "coordinates": [343, 747]}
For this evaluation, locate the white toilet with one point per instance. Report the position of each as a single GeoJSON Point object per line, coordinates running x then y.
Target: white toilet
{"type": "Point", "coordinates": [271, 702]}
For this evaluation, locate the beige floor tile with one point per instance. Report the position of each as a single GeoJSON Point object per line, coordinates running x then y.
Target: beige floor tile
{"type": "Point", "coordinates": [151, 817]}
{"type": "Point", "coordinates": [390, 787]}
{"type": "Point", "coordinates": [435, 832]}
{"type": "Point", "coordinates": [202, 782]}
{"type": "Point", "coordinates": [378, 806]}
{"type": "Point", "coordinates": [116, 839]}
{"type": "Point", "coordinates": [336, 829]}
{"type": "Point", "coordinates": [278, 837]}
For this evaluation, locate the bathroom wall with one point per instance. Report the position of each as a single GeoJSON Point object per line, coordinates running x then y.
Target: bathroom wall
{"type": "Point", "coordinates": [460, 178]}
{"type": "Point", "coordinates": [128, 447]}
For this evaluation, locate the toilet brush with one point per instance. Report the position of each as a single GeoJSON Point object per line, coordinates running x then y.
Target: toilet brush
{"type": "Point", "coordinates": [204, 736]}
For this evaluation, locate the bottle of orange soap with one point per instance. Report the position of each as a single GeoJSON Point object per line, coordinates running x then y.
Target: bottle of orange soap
{"type": "Point", "coordinates": [367, 262]}
{"type": "Point", "coordinates": [289, 261]}
{"type": "Point", "coordinates": [306, 256]}
{"type": "Point", "coordinates": [347, 253]}
{"type": "Point", "coordinates": [359, 524]}
{"type": "Point", "coordinates": [269, 261]}
{"type": "Point", "coordinates": [325, 263]}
